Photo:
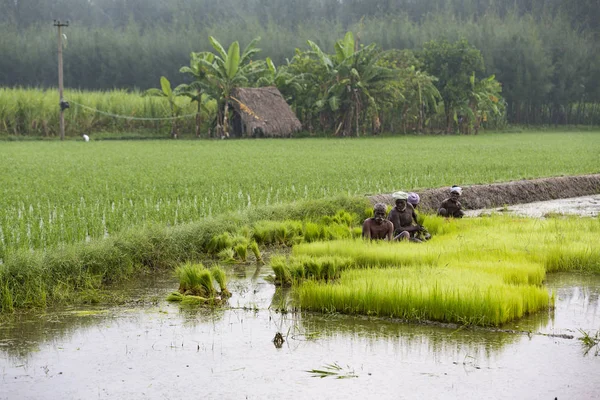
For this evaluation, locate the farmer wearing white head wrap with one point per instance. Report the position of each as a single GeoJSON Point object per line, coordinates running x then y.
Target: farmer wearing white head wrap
{"type": "Point", "coordinates": [402, 217]}
{"type": "Point", "coordinates": [456, 189]}
{"type": "Point", "coordinates": [400, 196]}
{"type": "Point", "coordinates": [451, 207]}
{"type": "Point", "coordinates": [378, 227]}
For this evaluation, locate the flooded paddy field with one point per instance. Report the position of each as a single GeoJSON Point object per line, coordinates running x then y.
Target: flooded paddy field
{"type": "Point", "coordinates": [156, 349]}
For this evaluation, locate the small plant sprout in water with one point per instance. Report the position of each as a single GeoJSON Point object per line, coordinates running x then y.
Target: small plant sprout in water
{"type": "Point", "coordinates": [333, 370]}
{"type": "Point", "coordinates": [590, 342]}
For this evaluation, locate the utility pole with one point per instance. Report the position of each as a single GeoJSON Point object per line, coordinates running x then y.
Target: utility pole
{"type": "Point", "coordinates": [63, 105]}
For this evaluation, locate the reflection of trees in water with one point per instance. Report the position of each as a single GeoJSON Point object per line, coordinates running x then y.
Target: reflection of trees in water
{"type": "Point", "coordinates": [22, 334]}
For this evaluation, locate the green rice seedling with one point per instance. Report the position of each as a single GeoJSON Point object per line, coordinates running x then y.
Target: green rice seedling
{"type": "Point", "coordinates": [297, 270]}
{"type": "Point", "coordinates": [227, 255]}
{"type": "Point", "coordinates": [318, 268]}
{"type": "Point", "coordinates": [263, 233]}
{"type": "Point", "coordinates": [336, 231]}
{"type": "Point", "coordinates": [175, 297]}
{"type": "Point", "coordinates": [590, 341]}
{"type": "Point", "coordinates": [312, 267]}
{"type": "Point", "coordinates": [219, 243]}
{"type": "Point", "coordinates": [312, 232]}
{"type": "Point", "coordinates": [333, 370]}
{"type": "Point", "coordinates": [194, 279]}
{"type": "Point", "coordinates": [573, 258]}
{"type": "Point", "coordinates": [343, 217]}
{"type": "Point", "coordinates": [437, 225]}
{"type": "Point", "coordinates": [280, 267]}
{"type": "Point", "coordinates": [277, 232]}
{"type": "Point", "coordinates": [241, 250]}
{"type": "Point", "coordinates": [219, 275]}
{"type": "Point", "coordinates": [371, 254]}
{"type": "Point", "coordinates": [256, 251]}
{"type": "Point", "coordinates": [193, 301]}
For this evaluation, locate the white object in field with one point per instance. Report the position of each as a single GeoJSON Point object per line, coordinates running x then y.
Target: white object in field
{"type": "Point", "coordinates": [86, 138]}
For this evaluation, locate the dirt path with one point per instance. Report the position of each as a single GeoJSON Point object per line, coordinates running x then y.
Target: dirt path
{"type": "Point", "coordinates": [477, 197]}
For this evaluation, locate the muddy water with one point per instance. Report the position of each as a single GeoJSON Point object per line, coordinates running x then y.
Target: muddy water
{"type": "Point", "coordinates": [158, 350]}
{"type": "Point", "coordinates": [586, 206]}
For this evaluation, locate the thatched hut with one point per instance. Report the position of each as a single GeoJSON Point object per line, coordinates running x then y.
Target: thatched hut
{"type": "Point", "coordinates": [262, 112]}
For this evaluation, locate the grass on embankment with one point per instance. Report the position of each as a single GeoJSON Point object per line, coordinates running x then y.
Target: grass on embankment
{"type": "Point", "coordinates": [40, 278]}
{"type": "Point", "coordinates": [483, 271]}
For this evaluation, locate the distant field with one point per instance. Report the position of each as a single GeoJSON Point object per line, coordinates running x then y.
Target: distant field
{"type": "Point", "coordinates": [55, 192]}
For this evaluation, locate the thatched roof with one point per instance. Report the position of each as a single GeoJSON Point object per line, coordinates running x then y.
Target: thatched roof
{"type": "Point", "coordinates": [263, 112]}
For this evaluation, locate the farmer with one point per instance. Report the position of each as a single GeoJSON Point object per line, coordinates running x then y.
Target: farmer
{"type": "Point", "coordinates": [451, 207]}
{"type": "Point", "coordinates": [378, 227]}
{"type": "Point", "coordinates": [402, 217]}
{"type": "Point", "coordinates": [414, 199]}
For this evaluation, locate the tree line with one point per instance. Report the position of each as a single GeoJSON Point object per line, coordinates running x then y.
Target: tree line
{"type": "Point", "coordinates": [545, 54]}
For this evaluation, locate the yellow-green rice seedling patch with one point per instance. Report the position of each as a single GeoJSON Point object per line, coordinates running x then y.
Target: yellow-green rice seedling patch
{"type": "Point", "coordinates": [427, 293]}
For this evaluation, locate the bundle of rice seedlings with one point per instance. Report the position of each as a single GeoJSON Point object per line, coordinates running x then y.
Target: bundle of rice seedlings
{"type": "Point", "coordinates": [312, 232]}
{"type": "Point", "coordinates": [283, 276]}
{"type": "Point", "coordinates": [175, 296]}
{"type": "Point", "coordinates": [193, 300]}
{"type": "Point", "coordinates": [226, 255]}
{"type": "Point", "coordinates": [254, 248]}
{"type": "Point", "coordinates": [219, 242]}
{"type": "Point", "coordinates": [194, 279]}
{"type": "Point", "coordinates": [219, 275]}
{"type": "Point", "coordinates": [241, 250]}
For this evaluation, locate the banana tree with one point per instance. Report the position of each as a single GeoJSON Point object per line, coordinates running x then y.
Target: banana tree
{"type": "Point", "coordinates": [287, 83]}
{"type": "Point", "coordinates": [354, 80]}
{"type": "Point", "coordinates": [420, 96]}
{"type": "Point", "coordinates": [482, 100]}
{"type": "Point", "coordinates": [226, 71]}
{"type": "Point", "coordinates": [170, 95]}
{"type": "Point", "coordinates": [196, 91]}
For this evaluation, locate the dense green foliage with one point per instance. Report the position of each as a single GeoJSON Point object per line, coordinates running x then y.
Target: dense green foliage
{"type": "Point", "coordinates": [64, 193]}
{"type": "Point", "coordinates": [544, 52]}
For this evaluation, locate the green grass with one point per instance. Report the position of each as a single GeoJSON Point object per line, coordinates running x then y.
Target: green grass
{"type": "Point", "coordinates": [56, 193]}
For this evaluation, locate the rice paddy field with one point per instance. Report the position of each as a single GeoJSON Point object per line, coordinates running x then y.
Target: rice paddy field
{"type": "Point", "coordinates": [129, 268]}
{"type": "Point", "coordinates": [61, 193]}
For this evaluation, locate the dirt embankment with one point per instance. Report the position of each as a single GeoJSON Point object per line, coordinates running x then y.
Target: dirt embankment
{"type": "Point", "coordinates": [499, 194]}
